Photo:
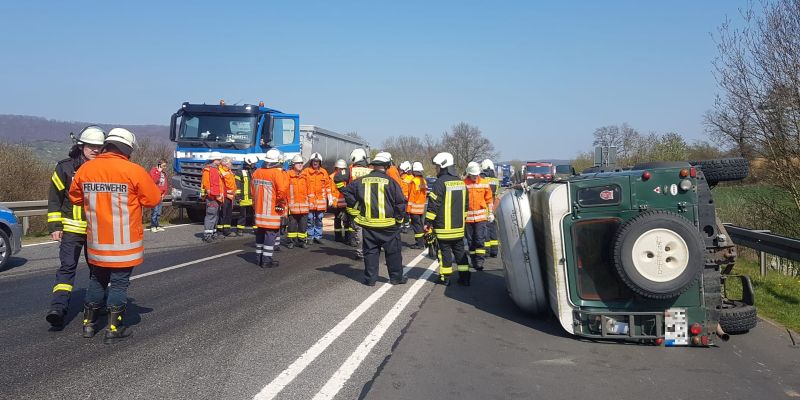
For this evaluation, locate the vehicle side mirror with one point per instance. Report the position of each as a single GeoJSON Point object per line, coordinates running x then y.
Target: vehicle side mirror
{"type": "Point", "coordinates": [173, 122]}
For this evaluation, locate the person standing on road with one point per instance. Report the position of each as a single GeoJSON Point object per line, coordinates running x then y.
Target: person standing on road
{"type": "Point", "coordinates": [447, 212]}
{"type": "Point", "coordinates": [359, 168]}
{"type": "Point", "coordinates": [298, 205]}
{"type": "Point", "coordinates": [270, 187]}
{"type": "Point", "coordinates": [319, 193]}
{"type": "Point", "coordinates": [379, 209]}
{"type": "Point", "coordinates": [417, 193]}
{"type": "Point", "coordinates": [160, 178]}
{"type": "Point", "coordinates": [244, 194]}
{"type": "Point", "coordinates": [112, 191]}
{"type": "Point", "coordinates": [212, 189]}
{"type": "Point", "coordinates": [65, 220]}
{"type": "Point", "coordinates": [226, 210]}
{"type": "Point", "coordinates": [480, 212]}
{"type": "Point", "coordinates": [339, 179]}
{"type": "Point", "coordinates": [405, 178]}
{"type": "Point", "coordinates": [492, 242]}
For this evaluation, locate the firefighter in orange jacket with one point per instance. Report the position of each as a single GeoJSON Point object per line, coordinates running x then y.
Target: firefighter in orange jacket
{"type": "Point", "coordinates": [319, 196]}
{"type": "Point", "coordinates": [405, 181]}
{"type": "Point", "coordinates": [339, 179]}
{"type": "Point", "coordinates": [212, 189]}
{"type": "Point", "coordinates": [417, 193]}
{"type": "Point", "coordinates": [298, 204]}
{"type": "Point", "coordinates": [112, 191]}
{"type": "Point", "coordinates": [269, 187]}
{"type": "Point", "coordinates": [479, 213]}
{"type": "Point", "coordinates": [229, 181]}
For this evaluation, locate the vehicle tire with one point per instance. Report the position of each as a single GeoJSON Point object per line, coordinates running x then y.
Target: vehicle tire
{"type": "Point", "coordinates": [658, 254]}
{"type": "Point", "coordinates": [196, 214]}
{"type": "Point", "coordinates": [5, 249]}
{"type": "Point", "coordinates": [723, 169]}
{"type": "Point", "coordinates": [661, 164]}
{"type": "Point", "coordinates": [737, 317]}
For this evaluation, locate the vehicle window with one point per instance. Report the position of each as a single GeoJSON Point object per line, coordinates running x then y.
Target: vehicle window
{"type": "Point", "coordinates": [593, 244]}
{"type": "Point", "coordinates": [538, 169]}
{"type": "Point", "coordinates": [563, 169]}
{"type": "Point", "coordinates": [600, 195]}
{"type": "Point", "coordinates": [282, 131]}
{"type": "Point", "coordinates": [218, 128]}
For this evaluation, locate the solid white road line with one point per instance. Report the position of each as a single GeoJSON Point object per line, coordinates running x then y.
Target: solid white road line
{"type": "Point", "coordinates": [186, 264]}
{"type": "Point", "coordinates": [340, 377]}
{"type": "Point", "coordinates": [289, 374]}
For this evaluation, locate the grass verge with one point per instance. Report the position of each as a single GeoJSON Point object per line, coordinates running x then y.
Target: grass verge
{"type": "Point", "coordinates": [777, 295]}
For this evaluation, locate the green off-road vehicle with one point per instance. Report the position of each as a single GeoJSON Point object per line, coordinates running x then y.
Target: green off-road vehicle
{"type": "Point", "coordinates": [635, 255]}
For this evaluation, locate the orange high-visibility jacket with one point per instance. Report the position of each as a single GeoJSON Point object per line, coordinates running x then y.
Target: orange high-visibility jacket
{"type": "Point", "coordinates": [319, 188]}
{"type": "Point", "coordinates": [211, 183]}
{"type": "Point", "coordinates": [406, 179]}
{"type": "Point", "coordinates": [417, 194]}
{"type": "Point", "coordinates": [298, 192]}
{"type": "Point", "coordinates": [270, 188]}
{"type": "Point", "coordinates": [229, 180]}
{"type": "Point", "coordinates": [112, 191]}
{"type": "Point", "coordinates": [339, 179]}
{"type": "Point", "coordinates": [480, 199]}
{"type": "Point", "coordinates": [394, 173]}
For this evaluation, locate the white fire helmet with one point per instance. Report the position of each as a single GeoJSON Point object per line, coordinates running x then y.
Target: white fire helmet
{"type": "Point", "coordinates": [340, 164]}
{"type": "Point", "coordinates": [417, 167]}
{"type": "Point", "coordinates": [358, 155]}
{"type": "Point", "coordinates": [121, 135]}
{"type": "Point", "coordinates": [405, 166]}
{"type": "Point", "coordinates": [297, 159]}
{"type": "Point", "coordinates": [443, 160]}
{"type": "Point", "coordinates": [273, 156]}
{"type": "Point", "coordinates": [473, 169]}
{"type": "Point", "coordinates": [487, 164]}
{"type": "Point", "coordinates": [92, 135]}
{"type": "Point", "coordinates": [316, 156]}
{"type": "Point", "coordinates": [382, 158]}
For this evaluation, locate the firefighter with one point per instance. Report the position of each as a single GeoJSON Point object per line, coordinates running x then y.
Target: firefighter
{"type": "Point", "coordinates": [226, 209]}
{"type": "Point", "coordinates": [340, 177]}
{"type": "Point", "coordinates": [270, 187]}
{"type": "Point", "coordinates": [358, 168]}
{"type": "Point", "coordinates": [480, 211]}
{"type": "Point", "coordinates": [417, 192]}
{"type": "Point", "coordinates": [393, 171]}
{"type": "Point", "coordinates": [379, 209]}
{"type": "Point", "coordinates": [492, 242]}
{"type": "Point", "coordinates": [244, 193]}
{"type": "Point", "coordinates": [212, 189]}
{"type": "Point", "coordinates": [447, 203]}
{"type": "Point", "coordinates": [298, 204]}
{"type": "Point", "coordinates": [319, 196]}
{"type": "Point", "coordinates": [65, 221]}
{"type": "Point", "coordinates": [112, 191]}
{"type": "Point", "coordinates": [405, 178]}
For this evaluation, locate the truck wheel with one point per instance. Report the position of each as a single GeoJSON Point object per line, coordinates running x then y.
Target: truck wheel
{"type": "Point", "coordinates": [196, 214]}
{"type": "Point", "coordinates": [5, 249]}
{"type": "Point", "coordinates": [737, 317]}
{"type": "Point", "coordinates": [658, 254]}
{"type": "Point", "coordinates": [723, 169]}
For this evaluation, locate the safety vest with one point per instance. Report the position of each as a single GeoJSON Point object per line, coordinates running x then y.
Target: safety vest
{"type": "Point", "coordinates": [229, 182]}
{"type": "Point", "coordinates": [339, 179]}
{"type": "Point", "coordinates": [243, 187]}
{"type": "Point", "coordinates": [417, 193]}
{"type": "Point", "coordinates": [270, 186]}
{"type": "Point", "coordinates": [298, 193]}
{"type": "Point", "coordinates": [358, 171]}
{"type": "Point", "coordinates": [113, 191]}
{"type": "Point", "coordinates": [319, 188]}
{"type": "Point", "coordinates": [447, 207]}
{"type": "Point", "coordinates": [62, 215]}
{"type": "Point", "coordinates": [211, 183]}
{"type": "Point", "coordinates": [480, 199]}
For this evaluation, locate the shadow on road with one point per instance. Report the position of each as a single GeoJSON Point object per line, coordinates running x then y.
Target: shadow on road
{"type": "Point", "coordinates": [488, 293]}
{"type": "Point", "coordinates": [133, 311]}
{"type": "Point", "coordinates": [14, 262]}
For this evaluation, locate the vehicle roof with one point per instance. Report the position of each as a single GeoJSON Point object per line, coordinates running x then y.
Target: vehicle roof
{"type": "Point", "coordinates": [227, 109]}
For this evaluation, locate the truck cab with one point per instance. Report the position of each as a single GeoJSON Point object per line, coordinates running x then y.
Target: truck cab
{"type": "Point", "coordinates": [539, 171]}
{"type": "Point", "coordinates": [236, 131]}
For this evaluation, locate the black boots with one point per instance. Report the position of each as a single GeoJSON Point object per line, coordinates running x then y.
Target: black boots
{"type": "Point", "coordinates": [56, 318]}
{"type": "Point", "coordinates": [90, 313]}
{"type": "Point", "coordinates": [116, 328]}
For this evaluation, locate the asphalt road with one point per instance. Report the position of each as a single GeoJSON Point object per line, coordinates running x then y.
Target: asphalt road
{"type": "Point", "coordinates": [209, 324]}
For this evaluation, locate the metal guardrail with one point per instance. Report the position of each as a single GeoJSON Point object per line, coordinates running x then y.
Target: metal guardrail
{"type": "Point", "coordinates": [33, 208]}
{"type": "Point", "coordinates": [765, 243]}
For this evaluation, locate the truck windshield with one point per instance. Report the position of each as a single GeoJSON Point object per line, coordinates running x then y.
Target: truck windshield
{"type": "Point", "coordinates": [217, 130]}
{"type": "Point", "coordinates": [538, 169]}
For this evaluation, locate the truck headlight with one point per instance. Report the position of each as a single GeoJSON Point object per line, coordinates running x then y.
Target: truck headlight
{"type": "Point", "coordinates": [176, 193]}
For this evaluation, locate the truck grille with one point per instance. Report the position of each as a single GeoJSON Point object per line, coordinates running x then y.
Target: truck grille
{"type": "Point", "coordinates": [191, 173]}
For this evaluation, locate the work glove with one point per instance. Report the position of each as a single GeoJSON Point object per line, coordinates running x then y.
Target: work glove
{"type": "Point", "coordinates": [279, 209]}
{"type": "Point", "coordinates": [330, 201]}
{"type": "Point", "coordinates": [491, 217]}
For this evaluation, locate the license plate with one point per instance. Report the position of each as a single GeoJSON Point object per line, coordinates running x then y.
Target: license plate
{"type": "Point", "coordinates": [676, 327]}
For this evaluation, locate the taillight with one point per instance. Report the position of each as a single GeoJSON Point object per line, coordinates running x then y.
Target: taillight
{"type": "Point", "coordinates": [659, 341]}
{"type": "Point", "coordinates": [695, 329]}
{"type": "Point", "coordinates": [684, 173]}
{"type": "Point", "coordinates": [704, 340]}
{"type": "Point", "coordinates": [646, 175]}
{"type": "Point", "coordinates": [693, 172]}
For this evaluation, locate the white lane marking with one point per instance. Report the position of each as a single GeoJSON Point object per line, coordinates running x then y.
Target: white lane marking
{"type": "Point", "coordinates": [340, 377]}
{"type": "Point", "coordinates": [290, 373]}
{"type": "Point", "coordinates": [175, 226]}
{"type": "Point", "coordinates": [186, 264]}
{"type": "Point", "coordinates": [55, 241]}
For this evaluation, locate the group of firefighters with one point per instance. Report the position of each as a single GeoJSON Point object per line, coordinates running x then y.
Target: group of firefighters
{"type": "Point", "coordinates": [97, 196]}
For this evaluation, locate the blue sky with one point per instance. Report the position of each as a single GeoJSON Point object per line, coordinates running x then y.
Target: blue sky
{"type": "Point", "coordinates": [537, 78]}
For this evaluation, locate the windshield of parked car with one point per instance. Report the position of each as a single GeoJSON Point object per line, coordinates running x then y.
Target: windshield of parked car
{"type": "Point", "coordinates": [563, 169]}
{"type": "Point", "coordinates": [538, 169]}
{"type": "Point", "coordinates": [215, 130]}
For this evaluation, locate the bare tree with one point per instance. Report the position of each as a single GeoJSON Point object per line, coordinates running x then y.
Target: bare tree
{"type": "Point", "coordinates": [467, 143]}
{"type": "Point", "coordinates": [758, 73]}
{"type": "Point", "coordinates": [623, 137]}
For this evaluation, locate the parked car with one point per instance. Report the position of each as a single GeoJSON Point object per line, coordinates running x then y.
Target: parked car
{"type": "Point", "coordinates": [10, 236]}
{"type": "Point", "coordinates": [564, 171]}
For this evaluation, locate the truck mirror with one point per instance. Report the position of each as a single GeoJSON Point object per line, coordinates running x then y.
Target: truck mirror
{"type": "Point", "coordinates": [172, 123]}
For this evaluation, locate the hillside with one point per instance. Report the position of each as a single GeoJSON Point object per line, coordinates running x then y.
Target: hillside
{"type": "Point", "coordinates": [25, 128]}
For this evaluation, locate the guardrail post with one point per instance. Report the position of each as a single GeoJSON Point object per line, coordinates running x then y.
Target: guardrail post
{"type": "Point", "coordinates": [26, 224]}
{"type": "Point", "coordinates": [762, 256]}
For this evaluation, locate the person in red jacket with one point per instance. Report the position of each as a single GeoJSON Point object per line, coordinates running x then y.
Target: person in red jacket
{"type": "Point", "coordinates": [212, 189]}
{"type": "Point", "coordinates": [112, 191]}
{"type": "Point", "coordinates": [159, 176]}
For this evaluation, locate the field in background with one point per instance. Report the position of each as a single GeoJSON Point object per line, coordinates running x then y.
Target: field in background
{"type": "Point", "coordinates": [777, 295]}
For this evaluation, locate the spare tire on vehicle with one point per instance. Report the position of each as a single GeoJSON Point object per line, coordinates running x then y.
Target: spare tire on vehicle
{"type": "Point", "coordinates": [658, 254]}
{"type": "Point", "coordinates": [737, 317]}
{"type": "Point", "coordinates": [723, 169]}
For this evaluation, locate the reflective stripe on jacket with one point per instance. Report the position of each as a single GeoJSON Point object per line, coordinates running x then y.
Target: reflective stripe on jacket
{"type": "Point", "coordinates": [339, 179]}
{"type": "Point", "coordinates": [375, 200]}
{"type": "Point", "coordinates": [112, 191]}
{"type": "Point", "coordinates": [319, 188]}
{"type": "Point", "coordinates": [62, 215]}
{"type": "Point", "coordinates": [243, 188]}
{"type": "Point", "coordinates": [298, 193]}
{"type": "Point", "coordinates": [480, 199]}
{"type": "Point", "coordinates": [417, 193]}
{"type": "Point", "coordinates": [270, 188]}
{"type": "Point", "coordinates": [447, 206]}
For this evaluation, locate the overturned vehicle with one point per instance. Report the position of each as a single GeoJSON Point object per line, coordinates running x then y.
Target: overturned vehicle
{"type": "Point", "coordinates": [636, 255]}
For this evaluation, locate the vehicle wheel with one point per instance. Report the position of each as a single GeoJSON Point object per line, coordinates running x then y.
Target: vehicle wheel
{"type": "Point", "coordinates": [737, 317]}
{"type": "Point", "coordinates": [661, 164]}
{"type": "Point", "coordinates": [5, 249]}
{"type": "Point", "coordinates": [723, 169]}
{"type": "Point", "coordinates": [196, 214]}
{"type": "Point", "coordinates": [658, 254]}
